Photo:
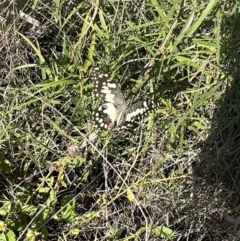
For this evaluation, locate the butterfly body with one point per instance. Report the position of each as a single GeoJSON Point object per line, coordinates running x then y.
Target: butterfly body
{"type": "Point", "coordinates": [115, 113]}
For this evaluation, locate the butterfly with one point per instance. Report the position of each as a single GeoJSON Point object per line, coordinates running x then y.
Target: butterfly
{"type": "Point", "coordinates": [116, 113]}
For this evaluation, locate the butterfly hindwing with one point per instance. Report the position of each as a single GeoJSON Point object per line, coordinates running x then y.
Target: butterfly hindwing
{"type": "Point", "coordinates": [105, 116]}
{"type": "Point", "coordinates": [141, 109]}
{"type": "Point", "coordinates": [136, 113]}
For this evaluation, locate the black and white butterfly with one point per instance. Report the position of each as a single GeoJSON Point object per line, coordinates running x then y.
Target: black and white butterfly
{"type": "Point", "coordinates": [116, 113]}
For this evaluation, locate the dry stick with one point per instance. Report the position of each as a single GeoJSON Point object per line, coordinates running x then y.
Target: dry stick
{"type": "Point", "coordinates": [20, 5]}
{"type": "Point", "coordinates": [29, 19]}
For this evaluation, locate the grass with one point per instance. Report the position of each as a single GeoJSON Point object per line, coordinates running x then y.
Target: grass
{"type": "Point", "coordinates": [173, 178]}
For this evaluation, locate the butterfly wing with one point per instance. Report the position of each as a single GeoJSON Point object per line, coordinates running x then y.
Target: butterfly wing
{"type": "Point", "coordinates": [106, 89]}
{"type": "Point", "coordinates": [136, 113]}
{"type": "Point", "coordinates": [104, 117]}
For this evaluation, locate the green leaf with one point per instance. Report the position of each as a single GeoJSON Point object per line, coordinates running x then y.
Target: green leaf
{"type": "Point", "coordinates": [163, 232]}
{"type": "Point", "coordinates": [44, 189]}
{"type": "Point", "coordinates": [3, 237]}
{"type": "Point", "coordinates": [68, 207]}
{"type": "Point", "coordinates": [44, 68]}
{"type": "Point", "coordinates": [5, 164]}
{"type": "Point", "coordinates": [2, 226]}
{"type": "Point", "coordinates": [104, 133]}
{"type": "Point", "coordinates": [75, 232]}
{"type": "Point", "coordinates": [29, 209]}
{"type": "Point", "coordinates": [77, 161]}
{"type": "Point", "coordinates": [10, 236]}
{"type": "Point", "coordinates": [140, 231]}
{"type": "Point", "coordinates": [205, 12]}
{"type": "Point", "coordinates": [5, 209]}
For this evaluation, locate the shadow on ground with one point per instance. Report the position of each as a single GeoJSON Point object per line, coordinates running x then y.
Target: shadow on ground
{"type": "Point", "coordinates": [216, 199]}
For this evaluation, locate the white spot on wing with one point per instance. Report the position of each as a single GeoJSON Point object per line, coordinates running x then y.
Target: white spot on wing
{"type": "Point", "coordinates": [132, 115]}
{"type": "Point", "coordinates": [110, 98]}
{"type": "Point", "coordinates": [110, 111]}
{"type": "Point", "coordinates": [112, 85]}
{"type": "Point", "coordinates": [105, 91]}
